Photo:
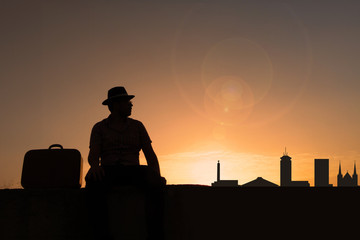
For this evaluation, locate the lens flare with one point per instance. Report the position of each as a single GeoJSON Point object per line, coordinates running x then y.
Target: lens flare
{"type": "Point", "coordinates": [242, 59]}
{"type": "Point", "coordinates": [228, 100]}
{"type": "Point", "coordinates": [266, 78]}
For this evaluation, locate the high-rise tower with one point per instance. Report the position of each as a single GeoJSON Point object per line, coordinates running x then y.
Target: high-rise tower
{"type": "Point", "coordinates": [285, 170]}
{"type": "Point", "coordinates": [321, 172]}
{"type": "Point", "coordinates": [285, 173]}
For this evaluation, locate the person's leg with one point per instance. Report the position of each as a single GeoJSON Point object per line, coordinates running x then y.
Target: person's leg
{"type": "Point", "coordinates": [154, 188]}
{"type": "Point", "coordinates": [97, 210]}
{"type": "Point", "coordinates": [154, 204]}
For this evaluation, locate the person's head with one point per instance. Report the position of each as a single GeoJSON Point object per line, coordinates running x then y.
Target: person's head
{"type": "Point", "coordinates": [120, 107]}
{"type": "Point", "coordinates": [118, 101]}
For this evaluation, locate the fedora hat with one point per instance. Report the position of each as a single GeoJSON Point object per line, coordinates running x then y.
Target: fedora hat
{"type": "Point", "coordinates": [117, 93]}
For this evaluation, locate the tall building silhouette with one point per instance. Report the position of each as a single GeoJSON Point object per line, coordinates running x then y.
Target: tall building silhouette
{"type": "Point", "coordinates": [321, 173]}
{"type": "Point", "coordinates": [285, 170]}
{"type": "Point", "coordinates": [223, 183]}
{"type": "Point", "coordinates": [347, 180]}
{"type": "Point", "coordinates": [285, 173]}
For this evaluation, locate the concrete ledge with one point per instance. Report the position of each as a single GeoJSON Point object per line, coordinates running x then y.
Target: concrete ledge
{"type": "Point", "coordinates": [192, 212]}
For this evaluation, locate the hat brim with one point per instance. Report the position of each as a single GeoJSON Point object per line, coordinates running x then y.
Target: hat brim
{"type": "Point", "coordinates": [109, 100]}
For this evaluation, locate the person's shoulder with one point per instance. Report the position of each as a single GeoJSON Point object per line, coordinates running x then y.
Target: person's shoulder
{"type": "Point", "coordinates": [100, 124]}
{"type": "Point", "coordinates": [135, 122]}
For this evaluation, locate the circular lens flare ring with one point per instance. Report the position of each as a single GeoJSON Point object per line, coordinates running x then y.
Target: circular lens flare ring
{"type": "Point", "coordinates": [184, 72]}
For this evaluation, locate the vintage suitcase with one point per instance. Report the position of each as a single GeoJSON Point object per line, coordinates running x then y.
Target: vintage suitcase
{"type": "Point", "coordinates": [55, 167]}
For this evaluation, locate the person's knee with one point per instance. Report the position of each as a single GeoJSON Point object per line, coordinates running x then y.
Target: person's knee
{"type": "Point", "coordinates": [154, 179]}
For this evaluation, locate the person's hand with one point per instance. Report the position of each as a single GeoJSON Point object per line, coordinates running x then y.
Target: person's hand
{"type": "Point", "coordinates": [163, 181]}
{"type": "Point", "coordinates": [95, 173]}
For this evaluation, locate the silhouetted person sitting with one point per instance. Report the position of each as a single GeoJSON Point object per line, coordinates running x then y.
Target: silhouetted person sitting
{"type": "Point", "coordinates": [115, 144]}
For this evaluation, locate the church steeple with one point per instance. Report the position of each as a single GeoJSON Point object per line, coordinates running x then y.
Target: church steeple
{"type": "Point", "coordinates": [355, 176]}
{"type": "Point", "coordinates": [339, 169]}
{"type": "Point", "coordinates": [339, 177]}
{"type": "Point", "coordinates": [354, 168]}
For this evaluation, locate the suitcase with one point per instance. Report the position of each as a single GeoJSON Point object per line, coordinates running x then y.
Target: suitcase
{"type": "Point", "coordinates": [55, 167]}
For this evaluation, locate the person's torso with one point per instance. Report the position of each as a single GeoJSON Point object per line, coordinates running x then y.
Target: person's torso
{"type": "Point", "coordinates": [120, 146]}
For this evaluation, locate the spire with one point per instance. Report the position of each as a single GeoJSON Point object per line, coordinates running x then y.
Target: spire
{"type": "Point", "coordinates": [340, 168]}
{"type": "Point", "coordinates": [218, 171]}
{"type": "Point", "coordinates": [285, 156]}
{"type": "Point", "coordinates": [354, 168]}
{"type": "Point", "coordinates": [355, 176]}
{"type": "Point", "coordinates": [285, 153]}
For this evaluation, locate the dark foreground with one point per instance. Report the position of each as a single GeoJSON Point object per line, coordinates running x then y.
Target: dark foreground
{"type": "Point", "coordinates": [192, 212]}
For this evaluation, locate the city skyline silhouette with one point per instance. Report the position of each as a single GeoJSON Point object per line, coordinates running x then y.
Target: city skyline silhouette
{"type": "Point", "coordinates": [321, 176]}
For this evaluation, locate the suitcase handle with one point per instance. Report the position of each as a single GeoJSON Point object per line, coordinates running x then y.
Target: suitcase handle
{"type": "Point", "coordinates": [56, 145]}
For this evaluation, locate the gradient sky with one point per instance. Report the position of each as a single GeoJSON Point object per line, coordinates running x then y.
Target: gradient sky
{"type": "Point", "coordinates": [235, 81]}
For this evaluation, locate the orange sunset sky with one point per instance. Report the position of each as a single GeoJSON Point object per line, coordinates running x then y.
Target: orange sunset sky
{"type": "Point", "coordinates": [235, 81]}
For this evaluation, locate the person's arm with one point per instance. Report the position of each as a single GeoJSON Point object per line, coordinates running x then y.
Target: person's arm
{"type": "Point", "coordinates": [94, 156]}
{"type": "Point", "coordinates": [95, 172]}
{"type": "Point", "coordinates": [151, 158]}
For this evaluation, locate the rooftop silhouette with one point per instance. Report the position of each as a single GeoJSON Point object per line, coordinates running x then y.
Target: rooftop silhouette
{"type": "Point", "coordinates": [260, 182]}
